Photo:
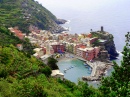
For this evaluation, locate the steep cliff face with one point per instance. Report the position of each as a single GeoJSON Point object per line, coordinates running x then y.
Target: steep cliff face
{"type": "Point", "coordinates": [107, 42]}
{"type": "Point", "coordinates": [23, 13]}
{"type": "Point", "coordinates": [110, 47]}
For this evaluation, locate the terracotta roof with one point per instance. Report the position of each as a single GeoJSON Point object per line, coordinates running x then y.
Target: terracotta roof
{"type": "Point", "coordinates": [19, 44]}
{"type": "Point", "coordinates": [18, 33]}
{"type": "Point", "coordinates": [83, 47]}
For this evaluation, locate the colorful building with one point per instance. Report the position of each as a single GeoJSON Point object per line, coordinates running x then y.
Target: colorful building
{"type": "Point", "coordinates": [20, 46]}
{"type": "Point", "coordinates": [97, 50]}
{"type": "Point", "coordinates": [17, 33]}
{"type": "Point", "coordinates": [88, 53]}
{"type": "Point", "coordinates": [58, 47]}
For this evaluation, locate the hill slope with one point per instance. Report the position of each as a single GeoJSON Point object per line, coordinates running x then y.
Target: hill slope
{"type": "Point", "coordinates": [23, 13]}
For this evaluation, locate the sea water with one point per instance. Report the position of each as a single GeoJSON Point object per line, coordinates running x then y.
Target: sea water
{"type": "Point", "coordinates": [84, 15]}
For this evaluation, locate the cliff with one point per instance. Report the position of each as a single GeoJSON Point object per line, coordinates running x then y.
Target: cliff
{"type": "Point", "coordinates": [23, 13]}
{"type": "Point", "coordinates": [106, 42]}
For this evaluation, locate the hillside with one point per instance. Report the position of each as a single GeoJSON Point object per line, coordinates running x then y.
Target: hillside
{"type": "Point", "coordinates": [27, 77]}
{"type": "Point", "coordinates": [23, 13]}
{"type": "Point", "coordinates": [6, 39]}
{"type": "Point", "coordinates": [23, 76]}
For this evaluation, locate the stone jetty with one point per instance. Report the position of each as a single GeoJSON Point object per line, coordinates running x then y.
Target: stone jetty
{"type": "Point", "coordinates": [98, 70]}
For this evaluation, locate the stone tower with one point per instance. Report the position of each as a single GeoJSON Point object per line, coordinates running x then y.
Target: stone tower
{"type": "Point", "coordinates": [102, 29]}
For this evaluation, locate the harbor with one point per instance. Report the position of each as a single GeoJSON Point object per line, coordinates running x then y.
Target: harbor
{"type": "Point", "coordinates": [76, 68]}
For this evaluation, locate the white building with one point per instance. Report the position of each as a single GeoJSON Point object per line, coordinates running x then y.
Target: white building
{"type": "Point", "coordinates": [57, 74]}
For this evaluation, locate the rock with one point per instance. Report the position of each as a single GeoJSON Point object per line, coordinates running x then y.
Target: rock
{"type": "Point", "coordinates": [108, 44]}
{"type": "Point", "coordinates": [61, 21]}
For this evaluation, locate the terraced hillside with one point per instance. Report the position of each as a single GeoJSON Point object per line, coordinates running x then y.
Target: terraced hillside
{"type": "Point", "coordinates": [23, 13]}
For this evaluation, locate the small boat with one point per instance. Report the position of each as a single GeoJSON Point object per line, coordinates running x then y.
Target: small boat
{"type": "Point", "coordinates": [85, 64]}
{"type": "Point", "coordinates": [65, 70]}
{"type": "Point", "coordinates": [90, 69]}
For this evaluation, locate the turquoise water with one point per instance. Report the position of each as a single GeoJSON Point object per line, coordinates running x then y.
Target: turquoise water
{"type": "Point", "coordinates": [75, 73]}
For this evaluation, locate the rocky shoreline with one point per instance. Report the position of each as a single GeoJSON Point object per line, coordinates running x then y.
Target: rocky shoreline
{"type": "Point", "coordinates": [57, 28]}
{"type": "Point", "coordinates": [61, 21]}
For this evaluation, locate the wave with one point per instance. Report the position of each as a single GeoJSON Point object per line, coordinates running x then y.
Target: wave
{"type": "Point", "coordinates": [68, 21]}
{"type": "Point", "coordinates": [119, 52]}
{"type": "Point", "coordinates": [67, 28]}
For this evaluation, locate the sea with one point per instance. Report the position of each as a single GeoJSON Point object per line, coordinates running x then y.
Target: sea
{"type": "Point", "coordinates": [83, 15]}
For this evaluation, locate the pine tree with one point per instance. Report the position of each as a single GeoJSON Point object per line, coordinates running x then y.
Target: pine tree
{"type": "Point", "coordinates": [118, 84]}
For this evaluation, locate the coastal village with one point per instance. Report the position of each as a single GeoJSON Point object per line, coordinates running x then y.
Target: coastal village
{"type": "Point", "coordinates": [81, 46]}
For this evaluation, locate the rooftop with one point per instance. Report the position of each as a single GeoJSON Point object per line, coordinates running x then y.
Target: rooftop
{"type": "Point", "coordinates": [37, 49]}
{"type": "Point", "coordinates": [85, 49]}
{"type": "Point", "coordinates": [56, 72]}
{"type": "Point", "coordinates": [45, 57]}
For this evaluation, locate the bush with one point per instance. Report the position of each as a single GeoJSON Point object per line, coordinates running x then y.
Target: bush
{"type": "Point", "coordinates": [52, 63]}
{"type": "Point", "coordinates": [46, 71]}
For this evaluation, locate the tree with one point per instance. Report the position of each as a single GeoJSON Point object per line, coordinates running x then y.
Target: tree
{"type": "Point", "coordinates": [118, 84]}
{"type": "Point", "coordinates": [46, 70]}
{"type": "Point", "coordinates": [52, 63]}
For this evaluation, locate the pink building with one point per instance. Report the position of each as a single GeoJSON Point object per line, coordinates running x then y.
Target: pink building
{"type": "Point", "coordinates": [88, 53]}
{"type": "Point", "coordinates": [97, 50]}
{"type": "Point", "coordinates": [78, 46]}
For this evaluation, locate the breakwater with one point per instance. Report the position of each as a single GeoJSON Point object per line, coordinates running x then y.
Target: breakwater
{"type": "Point", "coordinates": [98, 70]}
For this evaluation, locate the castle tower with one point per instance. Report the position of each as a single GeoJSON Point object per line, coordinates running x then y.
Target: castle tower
{"type": "Point", "coordinates": [102, 29]}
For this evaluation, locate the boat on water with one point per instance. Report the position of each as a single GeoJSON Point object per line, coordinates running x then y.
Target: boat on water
{"type": "Point", "coordinates": [65, 70]}
{"type": "Point", "coordinates": [90, 69]}
{"type": "Point", "coordinates": [68, 68]}
{"type": "Point", "coordinates": [72, 66]}
{"type": "Point", "coordinates": [85, 64]}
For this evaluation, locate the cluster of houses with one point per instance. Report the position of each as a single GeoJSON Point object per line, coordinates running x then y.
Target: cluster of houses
{"type": "Point", "coordinates": [48, 44]}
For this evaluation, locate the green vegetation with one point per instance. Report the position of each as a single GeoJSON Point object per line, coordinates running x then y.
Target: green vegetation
{"type": "Point", "coordinates": [17, 64]}
{"type": "Point", "coordinates": [23, 13]}
{"type": "Point", "coordinates": [52, 63]}
{"type": "Point", "coordinates": [96, 43]}
{"type": "Point", "coordinates": [7, 38]}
